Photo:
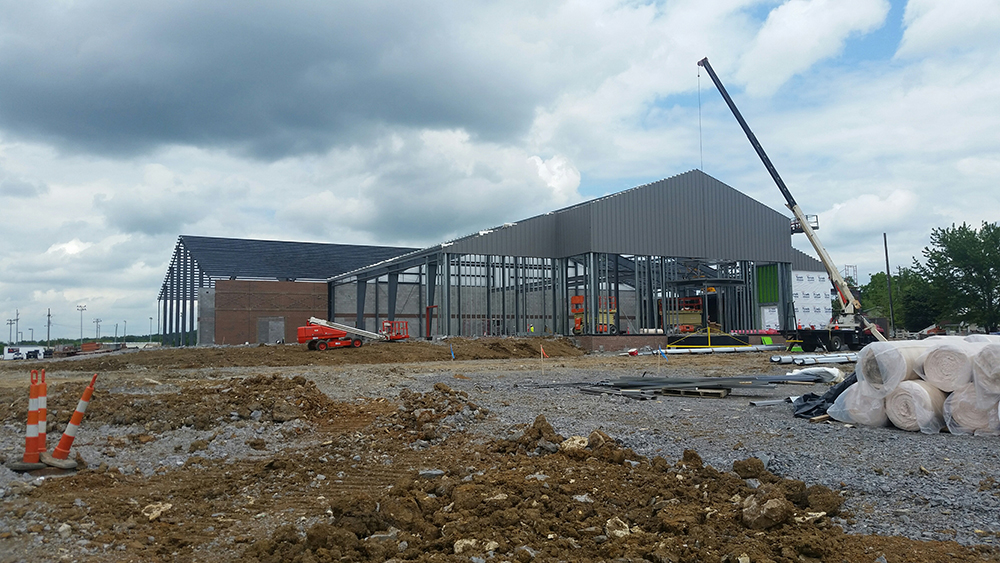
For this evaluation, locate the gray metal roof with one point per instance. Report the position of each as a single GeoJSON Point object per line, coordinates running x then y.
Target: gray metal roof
{"type": "Point", "coordinates": [282, 260]}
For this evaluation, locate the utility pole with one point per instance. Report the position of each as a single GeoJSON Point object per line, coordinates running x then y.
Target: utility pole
{"type": "Point", "coordinates": [124, 330]}
{"type": "Point", "coordinates": [32, 334]}
{"type": "Point", "coordinates": [150, 330]}
{"type": "Point", "coordinates": [48, 328]}
{"type": "Point", "coordinates": [97, 332]}
{"type": "Point", "coordinates": [81, 308]}
{"type": "Point", "coordinates": [116, 333]}
{"type": "Point", "coordinates": [17, 330]}
{"type": "Point", "coordinates": [888, 282]}
{"type": "Point", "coordinates": [10, 327]}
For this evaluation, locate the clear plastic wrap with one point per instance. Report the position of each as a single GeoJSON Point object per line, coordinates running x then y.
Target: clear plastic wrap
{"type": "Point", "coordinates": [856, 407]}
{"type": "Point", "coordinates": [947, 364]}
{"type": "Point", "coordinates": [962, 414]}
{"type": "Point", "coordinates": [984, 338]}
{"type": "Point", "coordinates": [883, 365]}
{"type": "Point", "coordinates": [986, 375]}
{"type": "Point", "coordinates": [916, 405]}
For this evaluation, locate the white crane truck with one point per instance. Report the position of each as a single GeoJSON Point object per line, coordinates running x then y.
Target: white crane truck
{"type": "Point", "coordinates": [851, 328]}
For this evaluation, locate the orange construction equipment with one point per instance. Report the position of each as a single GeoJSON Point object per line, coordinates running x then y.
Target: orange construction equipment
{"type": "Point", "coordinates": [321, 334]}
{"type": "Point", "coordinates": [43, 412]}
{"type": "Point", "coordinates": [60, 455]}
{"type": "Point", "coordinates": [30, 461]}
{"type": "Point", "coordinates": [607, 306]}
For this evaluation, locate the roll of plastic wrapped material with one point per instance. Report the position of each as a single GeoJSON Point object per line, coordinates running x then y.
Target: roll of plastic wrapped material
{"type": "Point", "coordinates": [985, 338]}
{"type": "Point", "coordinates": [883, 365]}
{"type": "Point", "coordinates": [962, 414]}
{"type": "Point", "coordinates": [916, 405]}
{"type": "Point", "coordinates": [948, 365]}
{"type": "Point", "coordinates": [856, 407]}
{"type": "Point", "coordinates": [986, 375]}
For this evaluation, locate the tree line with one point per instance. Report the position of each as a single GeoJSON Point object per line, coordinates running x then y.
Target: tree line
{"type": "Point", "coordinates": [958, 281]}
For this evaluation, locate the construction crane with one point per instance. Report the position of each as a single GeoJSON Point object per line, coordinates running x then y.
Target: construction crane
{"type": "Point", "coordinates": [851, 325]}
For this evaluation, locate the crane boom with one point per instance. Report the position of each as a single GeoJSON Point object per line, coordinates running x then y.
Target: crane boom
{"type": "Point", "coordinates": [851, 305]}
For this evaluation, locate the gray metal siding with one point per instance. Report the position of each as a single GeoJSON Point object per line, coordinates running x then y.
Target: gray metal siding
{"type": "Point", "coordinates": [531, 237]}
{"type": "Point", "coordinates": [691, 215]}
{"type": "Point", "coordinates": [802, 262]}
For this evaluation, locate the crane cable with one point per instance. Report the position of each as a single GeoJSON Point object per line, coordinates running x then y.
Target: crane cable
{"type": "Point", "coordinates": [701, 150]}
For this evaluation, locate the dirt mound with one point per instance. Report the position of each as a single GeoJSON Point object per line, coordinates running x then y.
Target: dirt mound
{"type": "Point", "coordinates": [298, 355]}
{"type": "Point", "coordinates": [589, 507]}
{"type": "Point", "coordinates": [201, 405]}
{"type": "Point", "coordinates": [431, 417]}
{"type": "Point", "coordinates": [378, 480]}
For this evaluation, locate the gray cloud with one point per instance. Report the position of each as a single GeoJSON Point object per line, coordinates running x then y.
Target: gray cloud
{"type": "Point", "coordinates": [152, 214]}
{"type": "Point", "coordinates": [265, 80]}
{"type": "Point", "coordinates": [14, 187]}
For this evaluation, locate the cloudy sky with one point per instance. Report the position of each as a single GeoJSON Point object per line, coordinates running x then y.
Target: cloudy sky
{"type": "Point", "coordinates": [125, 124]}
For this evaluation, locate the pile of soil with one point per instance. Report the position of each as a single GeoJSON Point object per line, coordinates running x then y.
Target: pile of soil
{"type": "Point", "coordinates": [403, 482]}
{"type": "Point", "coordinates": [202, 405]}
{"type": "Point", "coordinates": [299, 355]}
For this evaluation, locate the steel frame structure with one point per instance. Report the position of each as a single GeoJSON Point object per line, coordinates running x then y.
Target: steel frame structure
{"type": "Point", "coordinates": [643, 249]}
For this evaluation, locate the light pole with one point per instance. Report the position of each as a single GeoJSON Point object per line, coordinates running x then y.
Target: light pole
{"type": "Point", "coordinates": [32, 334]}
{"type": "Point", "coordinates": [17, 331]}
{"type": "Point", "coordinates": [124, 330]}
{"type": "Point", "coordinates": [150, 330]}
{"type": "Point", "coordinates": [10, 333]}
{"type": "Point", "coordinates": [97, 331]}
{"type": "Point", "coordinates": [81, 308]}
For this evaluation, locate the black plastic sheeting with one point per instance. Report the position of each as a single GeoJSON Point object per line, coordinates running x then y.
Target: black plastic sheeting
{"type": "Point", "coordinates": [811, 404]}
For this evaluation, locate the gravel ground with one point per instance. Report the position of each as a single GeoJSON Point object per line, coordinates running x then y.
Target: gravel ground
{"type": "Point", "coordinates": [897, 483]}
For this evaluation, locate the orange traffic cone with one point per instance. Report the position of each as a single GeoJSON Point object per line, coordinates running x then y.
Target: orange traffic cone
{"type": "Point", "coordinates": [43, 412]}
{"type": "Point", "coordinates": [59, 456]}
{"type": "Point", "coordinates": [30, 461]}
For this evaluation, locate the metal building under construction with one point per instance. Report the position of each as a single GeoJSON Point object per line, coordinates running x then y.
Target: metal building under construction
{"type": "Point", "coordinates": [230, 291]}
{"type": "Point", "coordinates": [665, 258]}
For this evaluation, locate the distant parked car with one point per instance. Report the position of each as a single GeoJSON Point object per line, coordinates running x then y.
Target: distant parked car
{"type": "Point", "coordinates": [32, 355]}
{"type": "Point", "coordinates": [18, 356]}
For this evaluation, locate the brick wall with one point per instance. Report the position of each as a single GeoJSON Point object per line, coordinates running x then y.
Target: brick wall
{"type": "Point", "coordinates": [240, 307]}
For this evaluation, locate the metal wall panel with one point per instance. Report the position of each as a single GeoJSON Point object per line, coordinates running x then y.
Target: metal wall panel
{"type": "Point", "coordinates": [691, 215]}
{"type": "Point", "coordinates": [531, 237]}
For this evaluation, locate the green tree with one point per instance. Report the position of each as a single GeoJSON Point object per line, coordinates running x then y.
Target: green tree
{"type": "Point", "coordinates": [963, 271]}
{"type": "Point", "coordinates": [875, 296]}
{"type": "Point", "coordinates": [913, 301]}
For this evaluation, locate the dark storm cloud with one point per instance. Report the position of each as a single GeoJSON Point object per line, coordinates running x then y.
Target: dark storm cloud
{"type": "Point", "coordinates": [269, 80]}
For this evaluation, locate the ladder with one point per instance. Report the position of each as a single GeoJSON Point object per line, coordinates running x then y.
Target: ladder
{"type": "Point", "coordinates": [348, 329]}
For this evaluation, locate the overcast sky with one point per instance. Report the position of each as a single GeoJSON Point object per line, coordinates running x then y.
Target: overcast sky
{"type": "Point", "coordinates": [126, 124]}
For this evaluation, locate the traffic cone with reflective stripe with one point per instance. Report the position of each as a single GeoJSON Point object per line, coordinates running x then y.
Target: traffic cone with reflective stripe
{"type": "Point", "coordinates": [59, 456]}
{"type": "Point", "coordinates": [30, 460]}
{"type": "Point", "coordinates": [43, 412]}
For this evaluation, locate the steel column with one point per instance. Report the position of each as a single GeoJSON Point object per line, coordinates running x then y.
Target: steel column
{"type": "Point", "coordinates": [359, 320]}
{"type": "Point", "coordinates": [393, 287]}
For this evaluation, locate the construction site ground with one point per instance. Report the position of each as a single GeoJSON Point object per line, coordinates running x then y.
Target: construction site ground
{"type": "Point", "coordinates": [397, 452]}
